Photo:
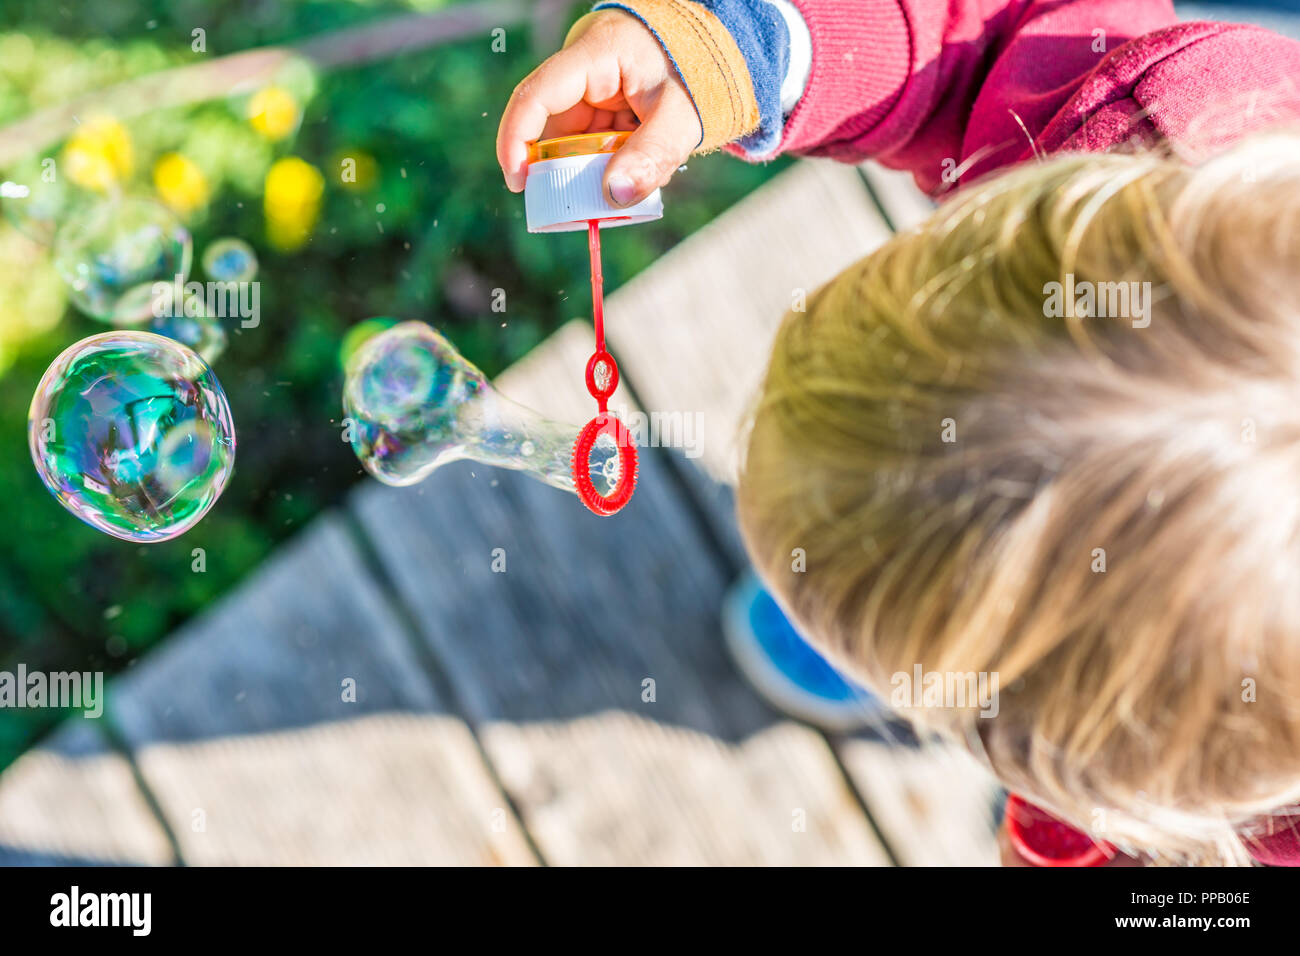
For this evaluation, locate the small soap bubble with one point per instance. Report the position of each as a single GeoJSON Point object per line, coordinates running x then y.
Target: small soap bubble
{"type": "Point", "coordinates": [190, 324]}
{"type": "Point", "coordinates": [111, 254]}
{"type": "Point", "coordinates": [230, 260]}
{"type": "Point", "coordinates": [140, 302]}
{"type": "Point", "coordinates": [527, 449]}
{"type": "Point", "coordinates": [35, 205]}
{"type": "Point", "coordinates": [132, 433]}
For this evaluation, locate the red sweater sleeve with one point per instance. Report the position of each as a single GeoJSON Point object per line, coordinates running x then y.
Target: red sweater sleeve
{"type": "Point", "coordinates": [1273, 840]}
{"type": "Point", "coordinates": [929, 86]}
{"type": "Point", "coordinates": [1276, 840]}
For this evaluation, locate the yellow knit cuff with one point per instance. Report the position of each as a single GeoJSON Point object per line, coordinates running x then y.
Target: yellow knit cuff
{"type": "Point", "coordinates": [710, 64]}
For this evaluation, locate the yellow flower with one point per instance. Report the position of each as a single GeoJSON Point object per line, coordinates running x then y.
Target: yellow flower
{"type": "Point", "coordinates": [99, 154]}
{"type": "Point", "coordinates": [294, 189]}
{"type": "Point", "coordinates": [273, 112]}
{"type": "Point", "coordinates": [180, 183]}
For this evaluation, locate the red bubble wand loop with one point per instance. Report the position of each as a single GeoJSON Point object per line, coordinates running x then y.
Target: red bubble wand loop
{"type": "Point", "coordinates": [602, 380]}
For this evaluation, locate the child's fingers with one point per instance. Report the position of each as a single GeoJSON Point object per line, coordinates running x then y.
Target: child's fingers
{"type": "Point", "coordinates": [655, 149]}
{"type": "Point", "coordinates": [557, 85]}
{"type": "Point", "coordinates": [579, 119]}
{"type": "Point", "coordinates": [601, 120]}
{"type": "Point", "coordinates": [589, 117]}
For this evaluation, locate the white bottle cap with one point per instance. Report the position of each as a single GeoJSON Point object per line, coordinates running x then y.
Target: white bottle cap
{"type": "Point", "coordinates": [562, 194]}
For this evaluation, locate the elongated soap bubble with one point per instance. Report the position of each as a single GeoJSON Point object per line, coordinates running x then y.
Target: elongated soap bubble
{"type": "Point", "coordinates": [230, 260]}
{"type": "Point", "coordinates": [114, 254]}
{"type": "Point", "coordinates": [414, 403]}
{"type": "Point", "coordinates": [132, 433]}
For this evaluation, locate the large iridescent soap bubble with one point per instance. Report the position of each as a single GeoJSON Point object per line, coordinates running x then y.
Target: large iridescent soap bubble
{"type": "Point", "coordinates": [115, 255]}
{"type": "Point", "coordinates": [230, 260]}
{"type": "Point", "coordinates": [132, 433]}
{"type": "Point", "coordinates": [414, 403]}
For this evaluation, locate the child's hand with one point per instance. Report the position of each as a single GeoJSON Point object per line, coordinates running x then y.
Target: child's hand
{"type": "Point", "coordinates": [611, 74]}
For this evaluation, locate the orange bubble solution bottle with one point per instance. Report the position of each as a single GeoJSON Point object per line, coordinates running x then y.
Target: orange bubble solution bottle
{"type": "Point", "coordinates": [564, 193]}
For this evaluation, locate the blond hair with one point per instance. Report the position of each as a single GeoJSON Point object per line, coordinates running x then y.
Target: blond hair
{"type": "Point", "coordinates": [1103, 510]}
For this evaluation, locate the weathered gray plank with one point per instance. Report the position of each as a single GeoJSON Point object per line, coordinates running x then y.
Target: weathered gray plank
{"type": "Point", "coordinates": [241, 729]}
{"type": "Point", "coordinates": [692, 333]}
{"type": "Point", "coordinates": [72, 800]}
{"type": "Point", "coordinates": [550, 658]}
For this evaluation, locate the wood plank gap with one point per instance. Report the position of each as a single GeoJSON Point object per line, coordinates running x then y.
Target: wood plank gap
{"type": "Point", "coordinates": [876, 201]}
{"type": "Point", "coordinates": [117, 743]}
{"type": "Point", "coordinates": [881, 836]}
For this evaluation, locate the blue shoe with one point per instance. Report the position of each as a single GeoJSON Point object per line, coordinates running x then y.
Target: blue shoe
{"type": "Point", "coordinates": [784, 668]}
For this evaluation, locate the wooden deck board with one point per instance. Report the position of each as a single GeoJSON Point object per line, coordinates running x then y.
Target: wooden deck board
{"type": "Point", "coordinates": [934, 803]}
{"type": "Point", "coordinates": [550, 658]}
{"type": "Point", "coordinates": [73, 800]}
{"type": "Point", "coordinates": [549, 379]}
{"type": "Point", "coordinates": [240, 728]}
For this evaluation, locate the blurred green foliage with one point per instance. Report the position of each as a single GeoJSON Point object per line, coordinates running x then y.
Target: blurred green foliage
{"type": "Point", "coordinates": [430, 236]}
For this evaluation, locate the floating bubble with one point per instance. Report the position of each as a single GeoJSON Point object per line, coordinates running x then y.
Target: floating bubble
{"type": "Point", "coordinates": [415, 403]}
{"type": "Point", "coordinates": [35, 205]}
{"type": "Point", "coordinates": [190, 324]}
{"type": "Point", "coordinates": [132, 433]}
{"type": "Point", "coordinates": [144, 300]}
{"type": "Point", "coordinates": [112, 253]}
{"type": "Point", "coordinates": [230, 260]}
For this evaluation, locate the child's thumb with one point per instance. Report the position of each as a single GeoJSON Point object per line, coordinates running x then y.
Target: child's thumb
{"type": "Point", "coordinates": [650, 156]}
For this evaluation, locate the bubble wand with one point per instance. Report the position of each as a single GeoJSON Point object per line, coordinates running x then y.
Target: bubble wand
{"type": "Point", "coordinates": [602, 380]}
{"type": "Point", "coordinates": [563, 193]}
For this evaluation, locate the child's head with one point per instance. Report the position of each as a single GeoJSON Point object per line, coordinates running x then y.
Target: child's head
{"type": "Point", "coordinates": [1104, 511]}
